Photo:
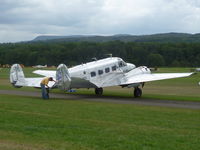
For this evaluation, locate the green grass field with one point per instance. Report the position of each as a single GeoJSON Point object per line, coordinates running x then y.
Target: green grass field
{"type": "Point", "coordinates": [28, 123]}
{"type": "Point", "coordinates": [173, 89]}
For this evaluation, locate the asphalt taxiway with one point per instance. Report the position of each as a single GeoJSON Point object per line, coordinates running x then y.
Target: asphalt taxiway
{"type": "Point", "coordinates": [108, 99]}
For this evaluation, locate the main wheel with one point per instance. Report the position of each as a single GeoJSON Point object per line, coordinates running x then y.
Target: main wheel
{"type": "Point", "coordinates": [137, 92]}
{"type": "Point", "coordinates": [98, 91]}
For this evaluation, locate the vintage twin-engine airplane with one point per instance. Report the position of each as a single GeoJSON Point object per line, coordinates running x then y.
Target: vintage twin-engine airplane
{"type": "Point", "coordinates": [112, 71]}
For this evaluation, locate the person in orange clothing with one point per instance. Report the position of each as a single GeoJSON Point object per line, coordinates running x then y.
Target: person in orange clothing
{"type": "Point", "coordinates": [45, 87]}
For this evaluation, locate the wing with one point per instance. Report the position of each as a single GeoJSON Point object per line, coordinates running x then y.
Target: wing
{"type": "Point", "coordinates": [46, 73]}
{"type": "Point", "coordinates": [154, 77]}
{"type": "Point", "coordinates": [127, 79]}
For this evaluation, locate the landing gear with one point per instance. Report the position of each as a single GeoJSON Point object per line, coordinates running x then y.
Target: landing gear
{"type": "Point", "coordinates": [137, 92]}
{"type": "Point", "coordinates": [98, 91]}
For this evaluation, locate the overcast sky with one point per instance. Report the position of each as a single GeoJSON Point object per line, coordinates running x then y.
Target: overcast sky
{"type": "Point", "coordinates": [22, 20]}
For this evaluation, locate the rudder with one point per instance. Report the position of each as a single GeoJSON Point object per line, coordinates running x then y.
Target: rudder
{"type": "Point", "coordinates": [63, 78]}
{"type": "Point", "coordinates": [16, 75]}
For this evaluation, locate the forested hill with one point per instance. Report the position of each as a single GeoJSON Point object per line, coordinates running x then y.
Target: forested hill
{"type": "Point", "coordinates": [165, 37]}
{"type": "Point", "coordinates": [178, 54]}
{"type": "Point", "coordinates": [171, 49]}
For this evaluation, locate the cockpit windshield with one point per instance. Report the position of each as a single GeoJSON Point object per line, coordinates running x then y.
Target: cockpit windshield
{"type": "Point", "coordinates": [122, 63]}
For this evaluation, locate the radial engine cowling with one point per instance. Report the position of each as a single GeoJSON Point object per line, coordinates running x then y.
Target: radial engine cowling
{"type": "Point", "coordinates": [139, 70]}
{"type": "Point", "coordinates": [63, 78]}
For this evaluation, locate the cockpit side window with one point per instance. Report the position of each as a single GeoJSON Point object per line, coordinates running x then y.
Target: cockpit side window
{"type": "Point", "coordinates": [114, 68]}
{"type": "Point", "coordinates": [122, 64]}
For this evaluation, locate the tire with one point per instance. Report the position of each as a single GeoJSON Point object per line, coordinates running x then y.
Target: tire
{"type": "Point", "coordinates": [137, 92]}
{"type": "Point", "coordinates": [98, 91]}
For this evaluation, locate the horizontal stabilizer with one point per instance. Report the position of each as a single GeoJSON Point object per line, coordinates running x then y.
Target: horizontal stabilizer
{"type": "Point", "coordinates": [46, 73]}
{"type": "Point", "coordinates": [17, 78]}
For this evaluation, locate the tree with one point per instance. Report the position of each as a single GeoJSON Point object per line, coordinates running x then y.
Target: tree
{"type": "Point", "coordinates": [155, 60]}
{"type": "Point", "coordinates": [175, 63]}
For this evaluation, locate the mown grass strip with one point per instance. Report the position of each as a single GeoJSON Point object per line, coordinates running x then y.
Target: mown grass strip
{"type": "Point", "coordinates": [60, 124]}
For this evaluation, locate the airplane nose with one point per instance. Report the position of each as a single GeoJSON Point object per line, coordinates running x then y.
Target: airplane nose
{"type": "Point", "coordinates": [132, 66]}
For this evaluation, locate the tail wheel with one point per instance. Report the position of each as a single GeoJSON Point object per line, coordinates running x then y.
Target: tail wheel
{"type": "Point", "coordinates": [98, 91]}
{"type": "Point", "coordinates": [137, 92]}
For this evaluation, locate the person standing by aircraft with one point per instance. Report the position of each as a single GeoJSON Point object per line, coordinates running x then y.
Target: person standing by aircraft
{"type": "Point", "coordinates": [44, 84]}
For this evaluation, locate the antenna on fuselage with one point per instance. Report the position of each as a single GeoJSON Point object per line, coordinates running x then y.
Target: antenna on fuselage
{"type": "Point", "coordinates": [109, 55]}
{"type": "Point", "coordinates": [94, 59]}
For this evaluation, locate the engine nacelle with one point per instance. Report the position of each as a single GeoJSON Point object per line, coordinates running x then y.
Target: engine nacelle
{"type": "Point", "coordinates": [139, 70]}
{"type": "Point", "coordinates": [63, 78]}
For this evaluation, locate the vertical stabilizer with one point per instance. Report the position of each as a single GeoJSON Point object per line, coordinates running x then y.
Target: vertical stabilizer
{"type": "Point", "coordinates": [16, 75]}
{"type": "Point", "coordinates": [63, 78]}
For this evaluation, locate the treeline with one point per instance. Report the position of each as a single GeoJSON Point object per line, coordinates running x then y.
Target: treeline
{"type": "Point", "coordinates": [71, 53]}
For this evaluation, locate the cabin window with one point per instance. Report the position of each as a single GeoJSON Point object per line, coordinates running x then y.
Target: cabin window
{"type": "Point", "coordinates": [114, 68]}
{"type": "Point", "coordinates": [100, 72]}
{"type": "Point", "coordinates": [107, 70]}
{"type": "Point", "coordinates": [93, 74]}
